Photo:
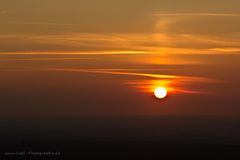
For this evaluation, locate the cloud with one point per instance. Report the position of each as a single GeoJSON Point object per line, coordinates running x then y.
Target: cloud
{"type": "Point", "coordinates": [42, 23]}
{"type": "Point", "coordinates": [199, 14]}
{"type": "Point", "coordinates": [197, 23]}
{"type": "Point", "coordinates": [42, 59]}
{"type": "Point", "coordinates": [153, 80]}
{"type": "Point", "coordinates": [120, 43]}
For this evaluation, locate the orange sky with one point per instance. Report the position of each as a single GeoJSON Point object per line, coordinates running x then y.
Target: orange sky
{"type": "Point", "coordinates": [73, 57]}
{"type": "Point", "coordinates": [114, 26]}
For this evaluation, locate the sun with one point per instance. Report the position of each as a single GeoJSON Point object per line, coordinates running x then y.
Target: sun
{"type": "Point", "coordinates": [160, 92]}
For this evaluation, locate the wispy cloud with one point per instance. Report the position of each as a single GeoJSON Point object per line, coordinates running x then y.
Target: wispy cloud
{"type": "Point", "coordinates": [43, 59]}
{"type": "Point", "coordinates": [42, 23]}
{"type": "Point", "coordinates": [198, 24]}
{"type": "Point", "coordinates": [198, 14]}
{"type": "Point", "coordinates": [172, 82]}
{"type": "Point", "coordinates": [171, 33]}
{"type": "Point", "coordinates": [113, 72]}
{"type": "Point", "coordinates": [119, 44]}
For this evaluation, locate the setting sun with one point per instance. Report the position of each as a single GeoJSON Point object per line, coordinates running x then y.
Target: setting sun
{"type": "Point", "coordinates": [160, 92]}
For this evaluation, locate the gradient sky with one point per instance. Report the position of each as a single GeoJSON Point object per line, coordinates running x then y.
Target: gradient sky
{"type": "Point", "coordinates": [111, 25]}
{"type": "Point", "coordinates": [69, 57]}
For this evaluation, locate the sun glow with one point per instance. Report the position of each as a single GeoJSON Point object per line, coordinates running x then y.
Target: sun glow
{"type": "Point", "coordinates": [160, 92]}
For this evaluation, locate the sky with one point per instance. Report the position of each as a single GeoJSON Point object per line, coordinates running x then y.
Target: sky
{"type": "Point", "coordinates": [111, 25]}
{"type": "Point", "coordinates": [106, 57]}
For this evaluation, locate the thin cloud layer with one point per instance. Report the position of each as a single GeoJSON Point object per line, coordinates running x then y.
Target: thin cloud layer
{"type": "Point", "coordinates": [215, 24]}
{"type": "Point", "coordinates": [120, 43]}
